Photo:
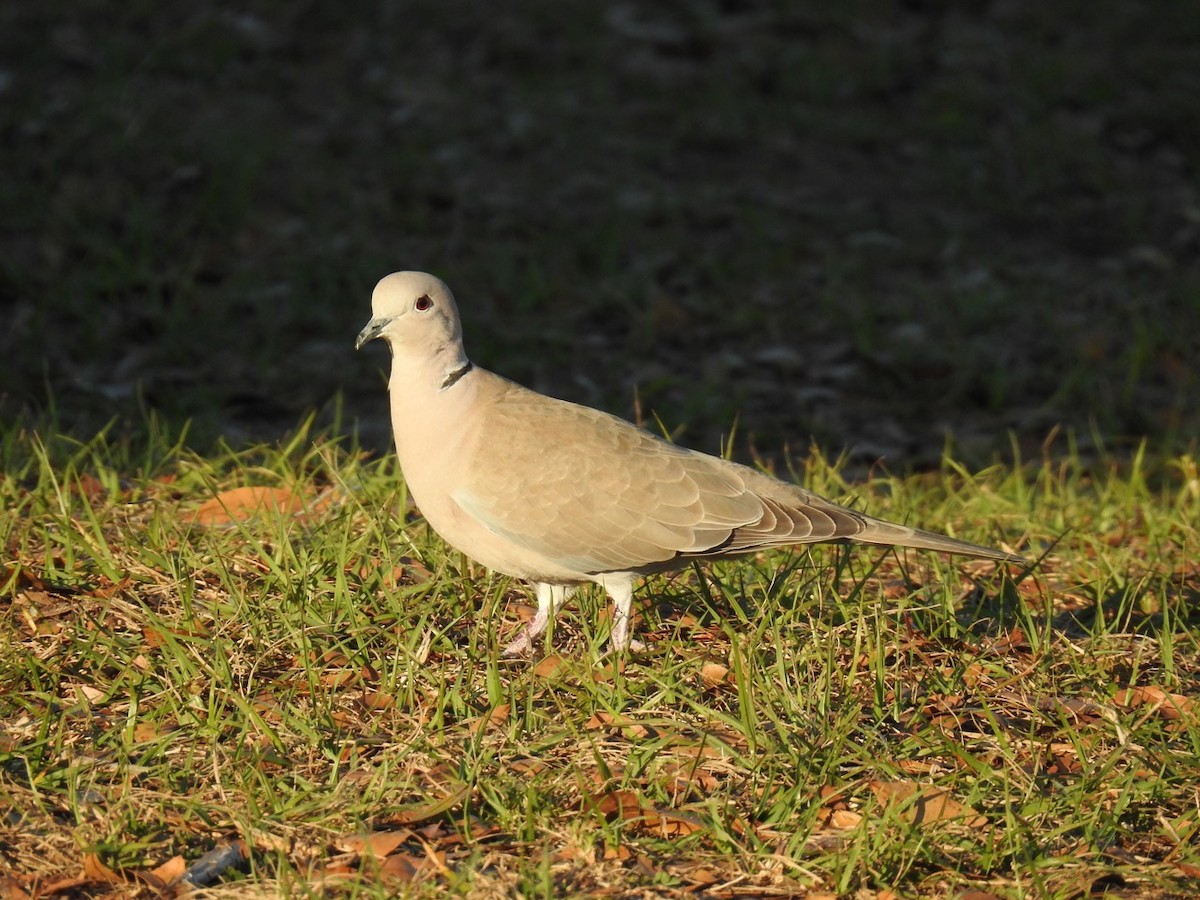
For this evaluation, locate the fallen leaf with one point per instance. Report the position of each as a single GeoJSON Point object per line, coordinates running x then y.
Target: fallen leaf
{"type": "Point", "coordinates": [629, 726]}
{"type": "Point", "coordinates": [605, 719]}
{"type": "Point", "coordinates": [108, 589]}
{"type": "Point", "coordinates": [401, 867]}
{"type": "Point", "coordinates": [626, 806]}
{"type": "Point", "coordinates": [1014, 641]}
{"type": "Point", "coordinates": [377, 843]}
{"type": "Point", "coordinates": [89, 693]}
{"type": "Point", "coordinates": [1169, 706]}
{"type": "Point", "coordinates": [63, 885]}
{"type": "Point", "coordinates": [925, 805]}
{"type": "Point", "coordinates": [714, 674]}
{"type": "Point", "coordinates": [617, 804]}
{"type": "Point", "coordinates": [550, 667]}
{"type": "Point", "coordinates": [160, 877]}
{"type": "Point", "coordinates": [10, 889]}
{"type": "Point", "coordinates": [494, 719]}
{"type": "Point", "coordinates": [95, 870]}
{"type": "Point", "coordinates": [844, 819]}
{"type": "Point", "coordinates": [242, 503]}
{"type": "Point", "coordinates": [158, 637]}
{"type": "Point", "coordinates": [149, 731]}
{"type": "Point", "coordinates": [645, 866]}
{"type": "Point", "coordinates": [379, 701]}
{"type": "Point", "coordinates": [89, 486]}
{"type": "Point", "coordinates": [336, 678]}
{"type": "Point", "coordinates": [701, 876]}
{"type": "Point", "coordinates": [677, 823]}
{"type": "Point", "coordinates": [527, 765]}
{"type": "Point", "coordinates": [688, 777]}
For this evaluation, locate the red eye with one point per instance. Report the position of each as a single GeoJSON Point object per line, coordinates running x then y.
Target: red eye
{"type": "Point", "coordinates": [423, 303]}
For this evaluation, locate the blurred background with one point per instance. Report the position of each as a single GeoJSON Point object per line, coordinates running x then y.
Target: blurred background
{"type": "Point", "coordinates": [876, 226]}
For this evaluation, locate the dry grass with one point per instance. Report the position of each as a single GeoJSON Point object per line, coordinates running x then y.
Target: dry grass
{"type": "Point", "coordinates": [323, 687]}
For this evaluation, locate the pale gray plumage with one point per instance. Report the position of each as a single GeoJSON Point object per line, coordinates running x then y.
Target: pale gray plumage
{"type": "Point", "coordinates": [559, 494]}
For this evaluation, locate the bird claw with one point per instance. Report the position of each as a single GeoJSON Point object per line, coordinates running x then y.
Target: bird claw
{"type": "Point", "coordinates": [634, 646]}
{"type": "Point", "coordinates": [521, 645]}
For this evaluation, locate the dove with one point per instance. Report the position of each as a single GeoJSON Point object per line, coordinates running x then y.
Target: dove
{"type": "Point", "coordinates": [560, 495]}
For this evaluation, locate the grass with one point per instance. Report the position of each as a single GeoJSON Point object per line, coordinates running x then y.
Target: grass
{"type": "Point", "coordinates": [314, 680]}
{"type": "Point", "coordinates": [876, 224]}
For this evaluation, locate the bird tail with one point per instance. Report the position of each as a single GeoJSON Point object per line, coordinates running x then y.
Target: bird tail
{"type": "Point", "coordinates": [888, 533]}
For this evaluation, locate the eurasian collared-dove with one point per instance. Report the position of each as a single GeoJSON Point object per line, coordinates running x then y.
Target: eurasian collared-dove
{"type": "Point", "coordinates": [559, 494]}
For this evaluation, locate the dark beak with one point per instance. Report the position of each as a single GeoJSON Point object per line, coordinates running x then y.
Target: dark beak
{"type": "Point", "coordinates": [371, 331]}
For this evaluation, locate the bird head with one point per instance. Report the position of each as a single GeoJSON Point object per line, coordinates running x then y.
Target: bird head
{"type": "Point", "coordinates": [414, 312]}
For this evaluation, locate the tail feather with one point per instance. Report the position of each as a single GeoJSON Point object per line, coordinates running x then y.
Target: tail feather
{"type": "Point", "coordinates": [877, 531]}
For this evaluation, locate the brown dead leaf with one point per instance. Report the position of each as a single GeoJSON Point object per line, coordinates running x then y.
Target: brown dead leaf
{"type": "Point", "coordinates": [158, 637]}
{"type": "Point", "coordinates": [89, 693]}
{"type": "Point", "coordinates": [160, 877]}
{"type": "Point", "coordinates": [171, 869]}
{"type": "Point", "coordinates": [243, 503]}
{"type": "Point", "coordinates": [494, 719]}
{"type": "Point", "coordinates": [106, 589]}
{"type": "Point", "coordinates": [401, 867]}
{"type": "Point", "coordinates": [550, 667]}
{"type": "Point", "coordinates": [522, 611]}
{"type": "Point", "coordinates": [19, 576]}
{"type": "Point", "coordinates": [701, 876]}
{"type": "Point", "coordinates": [63, 885]}
{"type": "Point", "coordinates": [336, 678]}
{"type": "Point", "coordinates": [338, 871]}
{"type": "Point", "coordinates": [1013, 642]}
{"type": "Point", "coordinates": [1167, 705]}
{"type": "Point", "coordinates": [629, 726]}
{"type": "Point", "coordinates": [617, 804]}
{"type": "Point", "coordinates": [609, 720]}
{"type": "Point", "coordinates": [527, 765]}
{"type": "Point", "coordinates": [676, 823]}
{"type": "Point", "coordinates": [95, 870]}
{"type": "Point", "coordinates": [10, 889]}
{"type": "Point", "coordinates": [628, 807]}
{"type": "Point", "coordinates": [379, 701]}
{"type": "Point", "coordinates": [377, 843]}
{"type": "Point", "coordinates": [149, 731]}
{"type": "Point", "coordinates": [714, 674]}
{"type": "Point", "coordinates": [89, 486]}
{"type": "Point", "coordinates": [925, 805]}
{"type": "Point", "coordinates": [688, 777]}
{"type": "Point", "coordinates": [844, 819]}
{"type": "Point", "coordinates": [574, 853]}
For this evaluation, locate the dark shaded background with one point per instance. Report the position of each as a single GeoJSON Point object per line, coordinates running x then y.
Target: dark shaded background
{"type": "Point", "coordinates": [866, 223]}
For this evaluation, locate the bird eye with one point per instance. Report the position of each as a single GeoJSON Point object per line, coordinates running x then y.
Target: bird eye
{"type": "Point", "coordinates": [423, 303]}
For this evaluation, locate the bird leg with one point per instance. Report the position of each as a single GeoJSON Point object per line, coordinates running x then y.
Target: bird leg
{"type": "Point", "coordinates": [621, 591]}
{"type": "Point", "coordinates": [549, 598]}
